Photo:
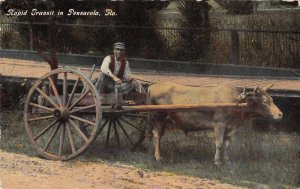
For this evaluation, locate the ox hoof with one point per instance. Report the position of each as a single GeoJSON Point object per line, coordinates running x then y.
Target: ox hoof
{"type": "Point", "coordinates": [218, 163]}
{"type": "Point", "coordinates": [158, 159]}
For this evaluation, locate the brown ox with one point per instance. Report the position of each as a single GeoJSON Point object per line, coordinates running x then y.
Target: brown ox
{"type": "Point", "coordinates": [224, 122]}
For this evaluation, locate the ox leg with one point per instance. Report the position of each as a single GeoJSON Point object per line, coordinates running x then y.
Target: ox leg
{"type": "Point", "coordinates": [157, 133]}
{"type": "Point", "coordinates": [226, 146]}
{"type": "Point", "coordinates": [227, 142]}
{"type": "Point", "coordinates": [219, 141]}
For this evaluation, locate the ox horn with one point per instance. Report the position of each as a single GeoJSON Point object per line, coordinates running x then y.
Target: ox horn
{"type": "Point", "coordinates": [269, 87]}
{"type": "Point", "coordinates": [243, 95]}
{"type": "Point", "coordinates": [256, 90]}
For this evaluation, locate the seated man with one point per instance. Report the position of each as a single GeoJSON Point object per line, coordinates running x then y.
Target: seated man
{"type": "Point", "coordinates": [115, 71]}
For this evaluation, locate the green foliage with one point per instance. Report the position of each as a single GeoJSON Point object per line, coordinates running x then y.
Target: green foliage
{"type": "Point", "coordinates": [10, 36]}
{"type": "Point", "coordinates": [269, 49]}
{"type": "Point", "coordinates": [196, 14]}
{"type": "Point", "coordinates": [40, 36]}
{"type": "Point", "coordinates": [141, 14]}
{"type": "Point", "coordinates": [238, 7]}
{"type": "Point", "coordinates": [16, 92]}
{"type": "Point", "coordinates": [91, 40]}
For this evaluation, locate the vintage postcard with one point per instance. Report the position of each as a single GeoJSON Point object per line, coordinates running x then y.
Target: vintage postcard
{"type": "Point", "coordinates": [149, 94]}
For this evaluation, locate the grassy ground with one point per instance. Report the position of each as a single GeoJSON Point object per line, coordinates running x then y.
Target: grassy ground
{"type": "Point", "coordinates": [270, 158]}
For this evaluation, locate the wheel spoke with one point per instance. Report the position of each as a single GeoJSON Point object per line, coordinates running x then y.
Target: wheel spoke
{"type": "Point", "coordinates": [139, 141]}
{"type": "Point", "coordinates": [134, 115]}
{"type": "Point", "coordinates": [51, 138]}
{"type": "Point", "coordinates": [41, 106]}
{"type": "Point", "coordinates": [108, 133]}
{"type": "Point", "coordinates": [82, 120]}
{"type": "Point", "coordinates": [41, 118]}
{"type": "Point", "coordinates": [116, 132]}
{"type": "Point", "coordinates": [54, 89]}
{"type": "Point", "coordinates": [45, 130]}
{"type": "Point", "coordinates": [124, 131]}
{"type": "Point", "coordinates": [70, 137]}
{"type": "Point", "coordinates": [65, 89]}
{"type": "Point", "coordinates": [103, 125]}
{"type": "Point", "coordinates": [79, 99]}
{"type": "Point", "coordinates": [61, 139]}
{"type": "Point", "coordinates": [73, 92]}
{"type": "Point", "coordinates": [131, 124]}
{"type": "Point", "coordinates": [82, 108]}
{"type": "Point", "coordinates": [54, 114]}
{"type": "Point", "coordinates": [78, 130]}
{"type": "Point", "coordinates": [47, 97]}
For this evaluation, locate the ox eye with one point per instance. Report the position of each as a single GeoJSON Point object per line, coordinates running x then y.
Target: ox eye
{"type": "Point", "coordinates": [266, 102]}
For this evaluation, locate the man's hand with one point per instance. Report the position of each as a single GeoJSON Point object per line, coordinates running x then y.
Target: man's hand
{"type": "Point", "coordinates": [129, 79]}
{"type": "Point", "coordinates": [117, 80]}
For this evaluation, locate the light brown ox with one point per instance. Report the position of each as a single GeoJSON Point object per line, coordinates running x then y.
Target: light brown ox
{"type": "Point", "coordinates": [224, 121]}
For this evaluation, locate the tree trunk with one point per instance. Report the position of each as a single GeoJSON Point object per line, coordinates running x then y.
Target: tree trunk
{"type": "Point", "coordinates": [52, 61]}
{"type": "Point", "coordinates": [53, 43]}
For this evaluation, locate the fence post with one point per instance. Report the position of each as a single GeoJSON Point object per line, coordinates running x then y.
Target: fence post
{"type": "Point", "coordinates": [31, 37]}
{"type": "Point", "coordinates": [235, 47]}
{"type": "Point", "coordinates": [191, 46]}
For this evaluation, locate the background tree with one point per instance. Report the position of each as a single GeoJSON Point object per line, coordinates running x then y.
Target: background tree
{"type": "Point", "coordinates": [139, 15]}
{"type": "Point", "coordinates": [85, 40]}
{"type": "Point", "coordinates": [238, 6]}
{"type": "Point", "coordinates": [196, 38]}
{"type": "Point", "coordinates": [47, 36]}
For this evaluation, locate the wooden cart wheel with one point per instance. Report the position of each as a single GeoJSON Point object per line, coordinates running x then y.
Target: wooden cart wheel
{"type": "Point", "coordinates": [54, 114]}
{"type": "Point", "coordinates": [125, 128]}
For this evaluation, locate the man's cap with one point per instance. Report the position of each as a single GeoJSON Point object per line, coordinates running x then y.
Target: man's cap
{"type": "Point", "coordinates": [119, 45]}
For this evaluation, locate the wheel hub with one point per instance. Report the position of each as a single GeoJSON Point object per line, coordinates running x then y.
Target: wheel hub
{"type": "Point", "coordinates": [62, 114]}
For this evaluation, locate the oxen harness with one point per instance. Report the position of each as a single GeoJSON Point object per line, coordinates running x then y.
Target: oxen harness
{"type": "Point", "coordinates": [248, 97]}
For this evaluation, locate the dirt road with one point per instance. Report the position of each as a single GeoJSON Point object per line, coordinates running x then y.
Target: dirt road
{"type": "Point", "coordinates": [21, 171]}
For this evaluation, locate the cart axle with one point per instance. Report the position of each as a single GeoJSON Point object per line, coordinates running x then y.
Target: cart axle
{"type": "Point", "coordinates": [62, 113]}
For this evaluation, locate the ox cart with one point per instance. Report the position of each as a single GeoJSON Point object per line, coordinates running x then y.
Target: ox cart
{"type": "Point", "coordinates": [64, 113]}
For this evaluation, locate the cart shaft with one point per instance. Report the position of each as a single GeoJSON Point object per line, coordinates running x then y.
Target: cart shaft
{"type": "Point", "coordinates": [174, 107]}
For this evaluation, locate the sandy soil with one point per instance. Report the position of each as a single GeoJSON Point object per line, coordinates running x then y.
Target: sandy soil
{"type": "Point", "coordinates": [21, 171]}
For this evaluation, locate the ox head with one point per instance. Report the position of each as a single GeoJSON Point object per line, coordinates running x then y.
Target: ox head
{"type": "Point", "coordinates": [262, 104]}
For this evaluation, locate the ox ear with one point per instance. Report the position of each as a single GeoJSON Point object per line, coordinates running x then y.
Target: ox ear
{"type": "Point", "coordinates": [243, 95]}
{"type": "Point", "coordinates": [244, 90]}
{"type": "Point", "coordinates": [269, 87]}
{"type": "Point", "coordinates": [257, 90]}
